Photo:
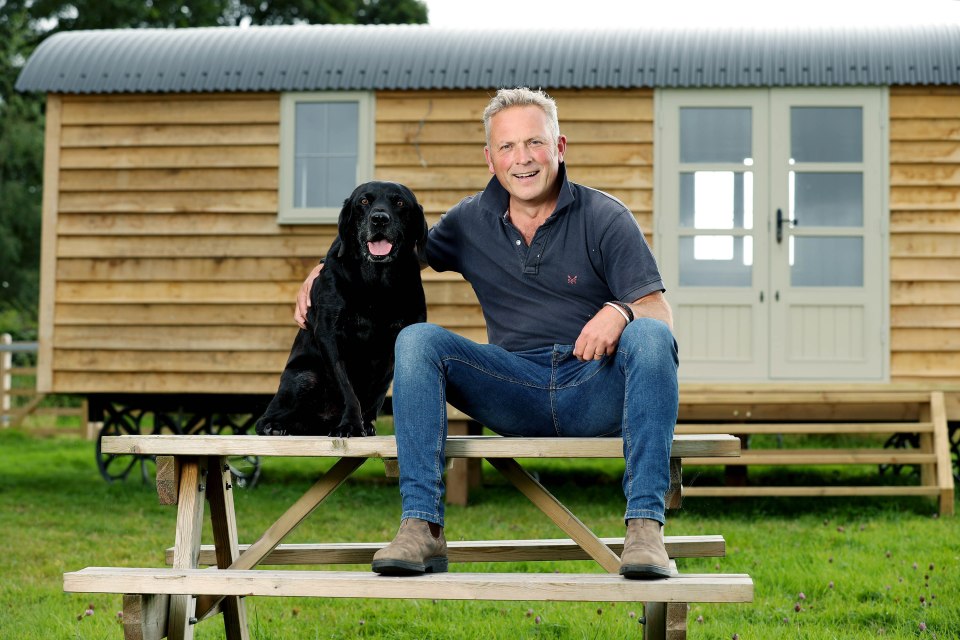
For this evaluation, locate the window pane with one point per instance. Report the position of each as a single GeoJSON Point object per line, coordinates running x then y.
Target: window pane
{"type": "Point", "coordinates": [716, 200]}
{"type": "Point", "coordinates": [716, 261]}
{"type": "Point", "coordinates": [827, 199]}
{"type": "Point", "coordinates": [325, 153]}
{"type": "Point", "coordinates": [715, 134]}
{"type": "Point", "coordinates": [826, 134]}
{"type": "Point", "coordinates": [826, 262]}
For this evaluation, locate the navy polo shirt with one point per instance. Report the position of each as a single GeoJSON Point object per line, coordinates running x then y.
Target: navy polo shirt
{"type": "Point", "coordinates": [589, 251]}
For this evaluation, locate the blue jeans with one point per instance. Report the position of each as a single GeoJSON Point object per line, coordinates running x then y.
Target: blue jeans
{"type": "Point", "coordinates": [543, 392]}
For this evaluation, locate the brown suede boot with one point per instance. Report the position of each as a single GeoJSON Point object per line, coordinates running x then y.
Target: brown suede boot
{"type": "Point", "coordinates": [414, 550]}
{"type": "Point", "coordinates": [644, 556]}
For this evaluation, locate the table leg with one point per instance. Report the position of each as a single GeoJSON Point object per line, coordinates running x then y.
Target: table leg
{"type": "Point", "coordinates": [546, 502]}
{"type": "Point", "coordinates": [288, 522]}
{"type": "Point", "coordinates": [224, 521]}
{"type": "Point", "coordinates": [193, 479]}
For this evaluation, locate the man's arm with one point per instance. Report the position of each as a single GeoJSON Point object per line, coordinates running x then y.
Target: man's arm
{"type": "Point", "coordinates": [303, 297]}
{"type": "Point", "coordinates": [600, 336]}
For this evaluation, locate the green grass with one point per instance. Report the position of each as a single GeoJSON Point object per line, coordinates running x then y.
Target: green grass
{"type": "Point", "coordinates": [862, 564]}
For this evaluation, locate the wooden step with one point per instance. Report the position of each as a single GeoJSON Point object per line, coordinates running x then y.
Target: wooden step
{"type": "Point", "coordinates": [709, 546]}
{"type": "Point", "coordinates": [792, 491]}
{"type": "Point", "coordinates": [575, 587]}
{"type": "Point", "coordinates": [798, 428]}
{"type": "Point", "coordinates": [821, 457]}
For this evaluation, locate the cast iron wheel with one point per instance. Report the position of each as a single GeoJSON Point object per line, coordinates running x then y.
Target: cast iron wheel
{"type": "Point", "coordinates": [120, 421]}
{"type": "Point", "coordinates": [245, 469]}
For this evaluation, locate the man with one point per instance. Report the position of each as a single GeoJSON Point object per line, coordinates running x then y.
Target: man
{"type": "Point", "coordinates": [580, 340]}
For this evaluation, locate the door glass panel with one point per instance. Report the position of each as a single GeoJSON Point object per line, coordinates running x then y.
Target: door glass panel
{"type": "Point", "coordinates": [716, 200]}
{"type": "Point", "coordinates": [826, 261]}
{"type": "Point", "coordinates": [710, 134]}
{"type": "Point", "coordinates": [716, 261]}
{"type": "Point", "coordinates": [826, 199]}
{"type": "Point", "coordinates": [826, 134]}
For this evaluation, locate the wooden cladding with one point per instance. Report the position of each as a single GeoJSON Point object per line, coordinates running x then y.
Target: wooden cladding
{"type": "Point", "coordinates": [925, 233]}
{"type": "Point", "coordinates": [166, 269]}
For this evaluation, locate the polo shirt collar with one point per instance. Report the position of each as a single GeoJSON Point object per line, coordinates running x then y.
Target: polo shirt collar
{"type": "Point", "coordinates": [496, 199]}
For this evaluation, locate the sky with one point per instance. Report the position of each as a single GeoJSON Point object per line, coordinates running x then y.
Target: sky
{"type": "Point", "coordinates": [608, 13]}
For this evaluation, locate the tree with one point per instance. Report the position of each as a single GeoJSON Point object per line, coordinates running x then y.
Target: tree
{"type": "Point", "coordinates": [25, 23]}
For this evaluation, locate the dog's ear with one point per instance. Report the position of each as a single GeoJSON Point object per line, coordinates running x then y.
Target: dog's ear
{"type": "Point", "coordinates": [344, 223]}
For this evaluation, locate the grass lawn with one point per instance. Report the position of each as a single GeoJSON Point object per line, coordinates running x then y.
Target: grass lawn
{"type": "Point", "coordinates": [822, 568]}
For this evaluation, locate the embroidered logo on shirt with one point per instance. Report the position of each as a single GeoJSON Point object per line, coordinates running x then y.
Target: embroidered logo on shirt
{"type": "Point", "coordinates": [571, 279]}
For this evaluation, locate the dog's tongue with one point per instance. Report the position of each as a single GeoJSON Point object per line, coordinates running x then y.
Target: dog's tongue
{"type": "Point", "coordinates": [379, 247]}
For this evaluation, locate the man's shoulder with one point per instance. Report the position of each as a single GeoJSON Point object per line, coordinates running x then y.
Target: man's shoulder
{"type": "Point", "coordinates": [589, 196]}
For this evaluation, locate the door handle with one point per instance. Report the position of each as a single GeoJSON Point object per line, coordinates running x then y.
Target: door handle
{"type": "Point", "coordinates": [780, 221]}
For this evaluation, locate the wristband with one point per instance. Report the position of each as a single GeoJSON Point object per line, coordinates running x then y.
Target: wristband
{"type": "Point", "coordinates": [622, 309]}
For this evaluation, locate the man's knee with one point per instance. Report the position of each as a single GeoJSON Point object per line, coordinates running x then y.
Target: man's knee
{"type": "Point", "coordinates": [649, 337]}
{"type": "Point", "coordinates": [418, 340]}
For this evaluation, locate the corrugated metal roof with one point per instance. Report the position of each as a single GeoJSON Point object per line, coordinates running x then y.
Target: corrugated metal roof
{"type": "Point", "coordinates": [343, 57]}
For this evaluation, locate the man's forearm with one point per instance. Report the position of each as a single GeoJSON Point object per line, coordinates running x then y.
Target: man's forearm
{"type": "Point", "coordinates": [654, 306]}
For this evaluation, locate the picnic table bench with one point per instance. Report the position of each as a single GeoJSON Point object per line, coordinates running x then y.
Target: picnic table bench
{"type": "Point", "coordinates": [192, 469]}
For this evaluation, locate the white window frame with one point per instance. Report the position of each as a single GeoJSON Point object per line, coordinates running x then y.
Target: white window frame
{"type": "Point", "coordinates": [286, 212]}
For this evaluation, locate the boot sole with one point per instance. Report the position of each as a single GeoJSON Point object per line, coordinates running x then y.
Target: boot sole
{"type": "Point", "coordinates": [405, 568]}
{"type": "Point", "coordinates": [644, 572]}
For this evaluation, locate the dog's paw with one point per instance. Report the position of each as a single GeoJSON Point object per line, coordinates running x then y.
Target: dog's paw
{"type": "Point", "coordinates": [368, 430]}
{"type": "Point", "coordinates": [270, 430]}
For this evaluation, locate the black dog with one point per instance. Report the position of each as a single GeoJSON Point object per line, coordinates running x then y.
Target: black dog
{"type": "Point", "coordinates": [340, 368]}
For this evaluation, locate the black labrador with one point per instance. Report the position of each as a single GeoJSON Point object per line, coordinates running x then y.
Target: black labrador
{"type": "Point", "coordinates": [341, 366]}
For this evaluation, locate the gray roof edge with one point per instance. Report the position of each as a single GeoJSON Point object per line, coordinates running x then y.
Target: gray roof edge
{"type": "Point", "coordinates": [401, 57]}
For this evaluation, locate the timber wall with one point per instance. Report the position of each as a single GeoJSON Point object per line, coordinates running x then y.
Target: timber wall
{"type": "Point", "coordinates": [925, 234]}
{"type": "Point", "coordinates": [164, 268]}
{"type": "Point", "coordinates": [165, 271]}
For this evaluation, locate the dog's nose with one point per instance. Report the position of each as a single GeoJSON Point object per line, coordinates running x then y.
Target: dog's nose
{"type": "Point", "coordinates": [379, 218]}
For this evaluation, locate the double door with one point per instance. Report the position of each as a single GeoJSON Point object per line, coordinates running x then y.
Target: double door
{"type": "Point", "coordinates": [770, 211]}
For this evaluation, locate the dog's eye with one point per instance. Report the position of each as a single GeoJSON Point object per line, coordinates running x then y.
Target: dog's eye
{"type": "Point", "coordinates": [400, 203]}
{"type": "Point", "coordinates": [364, 201]}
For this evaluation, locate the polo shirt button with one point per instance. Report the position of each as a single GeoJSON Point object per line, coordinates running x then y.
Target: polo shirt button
{"type": "Point", "coordinates": [518, 243]}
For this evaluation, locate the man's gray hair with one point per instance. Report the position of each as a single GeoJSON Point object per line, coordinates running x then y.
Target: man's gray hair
{"type": "Point", "coordinates": [521, 97]}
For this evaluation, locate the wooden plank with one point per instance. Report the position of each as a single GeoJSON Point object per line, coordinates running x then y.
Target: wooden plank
{"type": "Point", "coordinates": [167, 339]}
{"type": "Point", "coordinates": [160, 180]}
{"type": "Point", "coordinates": [926, 339]}
{"type": "Point", "coordinates": [928, 244]}
{"type": "Point", "coordinates": [925, 174]}
{"type": "Point", "coordinates": [178, 134]}
{"type": "Point", "coordinates": [146, 382]}
{"type": "Point", "coordinates": [50, 209]}
{"type": "Point", "coordinates": [145, 616]}
{"type": "Point", "coordinates": [173, 314]}
{"type": "Point", "coordinates": [704, 546]}
{"type": "Point", "coordinates": [193, 473]}
{"type": "Point", "coordinates": [168, 479]}
{"type": "Point", "coordinates": [925, 268]}
{"type": "Point", "coordinates": [171, 157]}
{"type": "Point", "coordinates": [185, 223]}
{"type": "Point", "coordinates": [223, 522]}
{"type": "Point", "coordinates": [175, 361]}
{"type": "Point", "coordinates": [791, 428]}
{"type": "Point", "coordinates": [941, 444]}
{"type": "Point", "coordinates": [919, 221]}
{"type": "Point", "coordinates": [684, 446]}
{"type": "Point", "coordinates": [292, 269]}
{"type": "Point", "coordinates": [569, 587]}
{"type": "Point", "coordinates": [931, 106]}
{"type": "Point", "coordinates": [820, 457]}
{"type": "Point", "coordinates": [172, 109]}
{"type": "Point", "coordinates": [249, 201]}
{"type": "Point", "coordinates": [803, 491]}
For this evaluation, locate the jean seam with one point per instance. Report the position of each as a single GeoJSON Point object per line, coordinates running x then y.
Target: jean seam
{"type": "Point", "coordinates": [492, 374]}
{"type": "Point", "coordinates": [438, 461]}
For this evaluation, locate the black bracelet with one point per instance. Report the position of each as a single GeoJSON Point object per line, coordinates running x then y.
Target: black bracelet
{"type": "Point", "coordinates": [625, 308]}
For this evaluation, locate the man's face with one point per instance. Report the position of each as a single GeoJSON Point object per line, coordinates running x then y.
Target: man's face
{"type": "Point", "coordinates": [523, 154]}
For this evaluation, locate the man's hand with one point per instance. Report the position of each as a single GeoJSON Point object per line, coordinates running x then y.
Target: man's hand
{"type": "Point", "coordinates": [600, 336]}
{"type": "Point", "coordinates": [303, 297]}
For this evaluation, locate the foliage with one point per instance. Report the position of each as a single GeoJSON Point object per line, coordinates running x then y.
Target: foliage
{"type": "Point", "coordinates": [25, 23]}
{"type": "Point", "coordinates": [823, 568]}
